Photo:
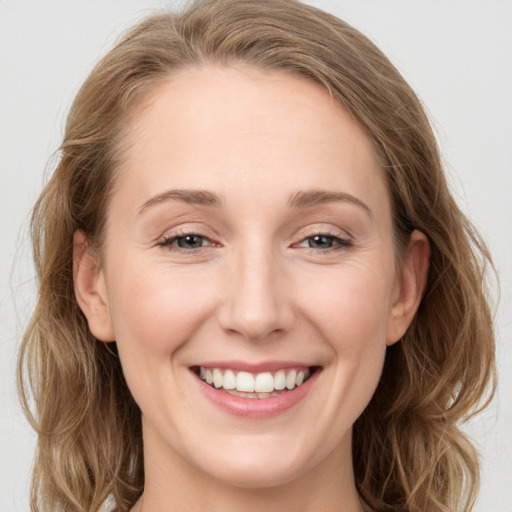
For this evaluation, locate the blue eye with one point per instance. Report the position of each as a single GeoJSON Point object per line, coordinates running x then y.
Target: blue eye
{"type": "Point", "coordinates": [320, 242]}
{"type": "Point", "coordinates": [324, 242]}
{"type": "Point", "coordinates": [189, 241]}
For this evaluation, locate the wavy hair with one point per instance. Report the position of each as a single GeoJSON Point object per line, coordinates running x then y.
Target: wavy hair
{"type": "Point", "coordinates": [409, 453]}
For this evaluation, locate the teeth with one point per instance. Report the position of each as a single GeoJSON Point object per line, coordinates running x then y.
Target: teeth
{"type": "Point", "coordinates": [217, 378]}
{"type": "Point", "coordinates": [248, 385]}
{"type": "Point", "coordinates": [280, 380]}
{"type": "Point", "coordinates": [229, 381]}
{"type": "Point", "coordinates": [291, 379]}
{"type": "Point", "coordinates": [234, 392]}
{"type": "Point", "coordinates": [264, 383]}
{"type": "Point", "coordinates": [245, 382]}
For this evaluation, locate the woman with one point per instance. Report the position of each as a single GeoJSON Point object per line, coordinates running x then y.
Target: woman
{"type": "Point", "coordinates": [256, 290]}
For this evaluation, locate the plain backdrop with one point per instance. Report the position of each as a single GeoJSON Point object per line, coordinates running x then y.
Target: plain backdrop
{"type": "Point", "coordinates": [457, 55]}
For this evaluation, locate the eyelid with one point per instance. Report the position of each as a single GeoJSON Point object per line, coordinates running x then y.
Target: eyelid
{"type": "Point", "coordinates": [166, 241]}
{"type": "Point", "coordinates": [171, 238]}
{"type": "Point", "coordinates": [185, 228]}
{"type": "Point", "coordinates": [319, 230]}
{"type": "Point", "coordinates": [344, 240]}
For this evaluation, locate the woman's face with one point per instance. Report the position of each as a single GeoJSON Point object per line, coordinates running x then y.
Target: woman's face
{"type": "Point", "coordinates": [249, 241]}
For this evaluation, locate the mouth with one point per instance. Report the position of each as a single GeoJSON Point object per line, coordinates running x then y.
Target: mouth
{"type": "Point", "coordinates": [258, 386]}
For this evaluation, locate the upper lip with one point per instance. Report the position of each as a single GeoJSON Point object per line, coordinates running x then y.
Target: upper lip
{"type": "Point", "coordinates": [252, 367]}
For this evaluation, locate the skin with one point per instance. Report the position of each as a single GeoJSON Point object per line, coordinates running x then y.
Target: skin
{"type": "Point", "coordinates": [256, 288]}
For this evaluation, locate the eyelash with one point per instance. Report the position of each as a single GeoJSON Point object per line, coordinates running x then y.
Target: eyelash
{"type": "Point", "coordinates": [169, 242]}
{"type": "Point", "coordinates": [340, 243]}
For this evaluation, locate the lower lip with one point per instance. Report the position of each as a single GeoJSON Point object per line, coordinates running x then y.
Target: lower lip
{"type": "Point", "coordinates": [255, 408]}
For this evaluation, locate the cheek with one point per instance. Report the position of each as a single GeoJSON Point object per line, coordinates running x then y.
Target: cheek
{"type": "Point", "coordinates": [348, 308]}
{"type": "Point", "coordinates": [352, 315]}
{"type": "Point", "coordinates": [156, 311]}
{"type": "Point", "coordinates": [352, 306]}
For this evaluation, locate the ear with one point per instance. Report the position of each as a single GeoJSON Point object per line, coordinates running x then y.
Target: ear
{"type": "Point", "coordinates": [90, 289]}
{"type": "Point", "coordinates": [411, 283]}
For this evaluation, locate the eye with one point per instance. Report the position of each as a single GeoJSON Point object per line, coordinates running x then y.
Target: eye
{"type": "Point", "coordinates": [186, 241]}
{"type": "Point", "coordinates": [324, 242]}
{"type": "Point", "coordinates": [320, 241]}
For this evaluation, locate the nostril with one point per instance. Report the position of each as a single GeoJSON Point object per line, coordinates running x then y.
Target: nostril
{"type": "Point", "coordinates": [255, 306]}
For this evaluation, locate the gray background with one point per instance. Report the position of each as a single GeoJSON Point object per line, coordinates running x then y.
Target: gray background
{"type": "Point", "coordinates": [457, 54]}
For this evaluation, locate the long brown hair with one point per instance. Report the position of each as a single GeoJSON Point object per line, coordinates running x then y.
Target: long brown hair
{"type": "Point", "coordinates": [408, 451]}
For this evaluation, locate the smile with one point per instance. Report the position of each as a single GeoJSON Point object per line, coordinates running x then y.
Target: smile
{"type": "Point", "coordinates": [255, 390]}
{"type": "Point", "coordinates": [254, 385]}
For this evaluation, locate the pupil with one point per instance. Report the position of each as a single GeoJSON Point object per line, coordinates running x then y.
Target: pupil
{"type": "Point", "coordinates": [320, 241]}
{"type": "Point", "coordinates": [190, 241]}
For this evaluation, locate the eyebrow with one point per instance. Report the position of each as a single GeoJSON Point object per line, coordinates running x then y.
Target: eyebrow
{"type": "Point", "coordinates": [304, 199]}
{"type": "Point", "coordinates": [199, 197]}
{"type": "Point", "coordinates": [301, 199]}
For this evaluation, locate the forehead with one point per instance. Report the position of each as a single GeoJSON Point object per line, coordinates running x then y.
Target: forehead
{"type": "Point", "coordinates": [222, 128]}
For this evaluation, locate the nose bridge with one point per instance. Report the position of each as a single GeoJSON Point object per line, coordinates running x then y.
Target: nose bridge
{"type": "Point", "coordinates": [255, 304]}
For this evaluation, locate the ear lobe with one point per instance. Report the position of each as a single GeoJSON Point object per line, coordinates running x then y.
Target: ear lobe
{"type": "Point", "coordinates": [90, 289]}
{"type": "Point", "coordinates": [411, 286]}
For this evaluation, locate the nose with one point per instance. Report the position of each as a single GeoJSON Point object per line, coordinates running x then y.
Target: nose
{"type": "Point", "coordinates": [256, 302]}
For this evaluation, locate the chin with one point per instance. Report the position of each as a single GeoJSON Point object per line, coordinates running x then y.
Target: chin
{"type": "Point", "coordinates": [257, 474]}
{"type": "Point", "coordinates": [259, 463]}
